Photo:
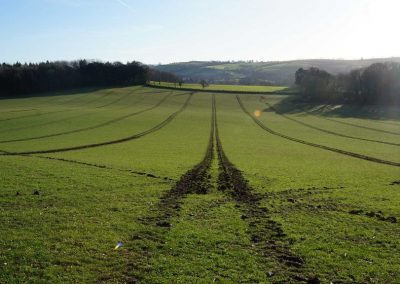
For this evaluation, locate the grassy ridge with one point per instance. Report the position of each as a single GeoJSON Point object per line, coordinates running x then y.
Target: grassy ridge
{"type": "Point", "coordinates": [335, 214]}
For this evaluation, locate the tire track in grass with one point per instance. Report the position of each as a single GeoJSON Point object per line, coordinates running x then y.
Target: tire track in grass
{"type": "Point", "coordinates": [356, 125]}
{"type": "Point", "coordinates": [51, 112]}
{"type": "Point", "coordinates": [117, 141]}
{"type": "Point", "coordinates": [389, 122]}
{"type": "Point", "coordinates": [195, 181]}
{"type": "Point", "coordinates": [351, 154]}
{"type": "Point", "coordinates": [94, 100]}
{"type": "Point", "coordinates": [115, 101]}
{"type": "Point", "coordinates": [328, 131]}
{"type": "Point", "coordinates": [35, 114]}
{"type": "Point", "coordinates": [89, 127]}
{"type": "Point", "coordinates": [62, 119]}
{"type": "Point", "coordinates": [267, 236]}
{"type": "Point", "coordinates": [21, 110]}
{"type": "Point", "coordinates": [99, 166]}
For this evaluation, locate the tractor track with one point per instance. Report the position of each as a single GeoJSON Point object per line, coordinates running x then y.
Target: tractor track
{"type": "Point", "coordinates": [21, 110]}
{"type": "Point", "coordinates": [89, 127]}
{"type": "Point", "coordinates": [388, 122]}
{"type": "Point", "coordinates": [115, 101]}
{"type": "Point", "coordinates": [355, 125]}
{"type": "Point", "coordinates": [99, 166]}
{"type": "Point", "coordinates": [62, 119]}
{"type": "Point", "coordinates": [195, 181]}
{"type": "Point", "coordinates": [117, 141]}
{"type": "Point", "coordinates": [95, 99]}
{"type": "Point", "coordinates": [51, 112]}
{"type": "Point", "coordinates": [328, 131]}
{"type": "Point", "coordinates": [267, 236]}
{"type": "Point", "coordinates": [36, 114]}
{"type": "Point", "coordinates": [343, 152]}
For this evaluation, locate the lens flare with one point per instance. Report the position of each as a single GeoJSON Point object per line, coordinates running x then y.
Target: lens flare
{"type": "Point", "coordinates": [119, 244]}
{"type": "Point", "coordinates": [257, 113]}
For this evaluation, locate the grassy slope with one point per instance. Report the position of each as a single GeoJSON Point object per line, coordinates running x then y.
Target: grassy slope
{"type": "Point", "coordinates": [67, 233]}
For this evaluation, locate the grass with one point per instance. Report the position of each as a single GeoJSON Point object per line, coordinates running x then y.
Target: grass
{"type": "Point", "coordinates": [217, 87]}
{"type": "Point", "coordinates": [339, 214]}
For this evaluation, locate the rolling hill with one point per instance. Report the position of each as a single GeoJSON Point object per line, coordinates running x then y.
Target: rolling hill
{"type": "Point", "coordinates": [275, 73]}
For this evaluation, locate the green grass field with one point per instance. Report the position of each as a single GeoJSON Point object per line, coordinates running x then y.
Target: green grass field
{"type": "Point", "coordinates": [217, 87]}
{"type": "Point", "coordinates": [198, 187]}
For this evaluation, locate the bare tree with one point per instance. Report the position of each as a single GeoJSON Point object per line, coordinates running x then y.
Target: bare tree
{"type": "Point", "coordinates": [203, 83]}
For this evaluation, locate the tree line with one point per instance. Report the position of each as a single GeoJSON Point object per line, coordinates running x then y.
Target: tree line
{"type": "Point", "coordinates": [18, 79]}
{"type": "Point", "coordinates": [378, 83]}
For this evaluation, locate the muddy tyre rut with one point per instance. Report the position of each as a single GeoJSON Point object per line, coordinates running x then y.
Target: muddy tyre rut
{"type": "Point", "coordinates": [269, 242]}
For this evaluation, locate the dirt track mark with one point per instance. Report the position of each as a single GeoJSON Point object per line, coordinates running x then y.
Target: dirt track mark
{"type": "Point", "coordinates": [328, 131]}
{"type": "Point", "coordinates": [376, 215]}
{"type": "Point", "coordinates": [266, 235]}
{"type": "Point", "coordinates": [99, 166]}
{"type": "Point", "coordinates": [117, 141]}
{"type": "Point", "coordinates": [90, 127]}
{"type": "Point", "coordinates": [351, 154]}
{"type": "Point", "coordinates": [195, 181]}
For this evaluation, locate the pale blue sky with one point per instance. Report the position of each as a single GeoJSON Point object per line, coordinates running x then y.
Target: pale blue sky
{"type": "Point", "coordinates": [154, 31]}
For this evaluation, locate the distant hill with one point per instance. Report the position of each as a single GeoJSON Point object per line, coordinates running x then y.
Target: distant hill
{"type": "Point", "coordinates": [275, 73]}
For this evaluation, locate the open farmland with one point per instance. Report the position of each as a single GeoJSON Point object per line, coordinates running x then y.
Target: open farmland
{"type": "Point", "coordinates": [221, 88]}
{"type": "Point", "coordinates": [198, 187]}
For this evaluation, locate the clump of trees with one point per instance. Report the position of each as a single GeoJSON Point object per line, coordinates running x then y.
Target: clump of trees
{"type": "Point", "coordinates": [377, 84]}
{"type": "Point", "coordinates": [20, 79]}
{"type": "Point", "coordinates": [162, 76]}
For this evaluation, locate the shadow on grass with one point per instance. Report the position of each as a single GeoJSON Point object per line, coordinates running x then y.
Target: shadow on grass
{"type": "Point", "coordinates": [295, 105]}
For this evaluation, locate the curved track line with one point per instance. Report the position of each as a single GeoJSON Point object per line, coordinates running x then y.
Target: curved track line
{"type": "Point", "coordinates": [36, 114]}
{"type": "Point", "coordinates": [63, 119]}
{"type": "Point", "coordinates": [355, 125]}
{"type": "Point", "coordinates": [90, 127]}
{"type": "Point", "coordinates": [50, 112]}
{"type": "Point", "coordinates": [95, 99]}
{"type": "Point", "coordinates": [389, 122]}
{"type": "Point", "coordinates": [115, 101]}
{"type": "Point", "coordinates": [22, 110]}
{"type": "Point", "coordinates": [355, 155]}
{"type": "Point", "coordinates": [94, 165]}
{"type": "Point", "coordinates": [117, 141]}
{"type": "Point", "coordinates": [328, 131]}
{"type": "Point", "coordinates": [100, 166]}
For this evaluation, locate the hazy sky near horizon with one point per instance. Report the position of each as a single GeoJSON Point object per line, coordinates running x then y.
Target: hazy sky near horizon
{"type": "Point", "coordinates": [155, 31]}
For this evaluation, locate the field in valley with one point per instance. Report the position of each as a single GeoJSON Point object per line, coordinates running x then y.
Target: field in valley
{"type": "Point", "coordinates": [198, 187]}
